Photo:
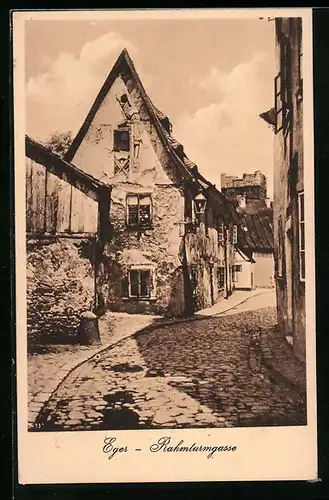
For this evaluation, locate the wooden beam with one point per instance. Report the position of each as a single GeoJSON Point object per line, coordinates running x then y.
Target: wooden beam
{"type": "Point", "coordinates": [63, 170]}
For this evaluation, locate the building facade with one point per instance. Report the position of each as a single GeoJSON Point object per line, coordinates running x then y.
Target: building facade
{"type": "Point", "coordinates": [67, 223]}
{"type": "Point", "coordinates": [173, 233]}
{"type": "Point", "coordinates": [255, 231]}
{"type": "Point", "coordinates": [286, 117]}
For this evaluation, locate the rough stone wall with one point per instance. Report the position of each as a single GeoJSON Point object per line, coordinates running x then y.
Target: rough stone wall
{"type": "Point", "coordinates": [251, 186]}
{"type": "Point", "coordinates": [247, 180]}
{"type": "Point", "coordinates": [60, 286]}
{"type": "Point", "coordinates": [204, 257]}
{"type": "Point", "coordinates": [160, 246]}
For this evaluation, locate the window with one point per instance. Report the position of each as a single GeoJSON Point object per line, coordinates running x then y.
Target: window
{"type": "Point", "coordinates": [235, 235]}
{"type": "Point", "coordinates": [220, 277]}
{"type": "Point", "coordinates": [221, 233]}
{"type": "Point", "coordinates": [280, 248]}
{"type": "Point", "coordinates": [236, 269]}
{"type": "Point", "coordinates": [139, 283]}
{"type": "Point", "coordinates": [139, 210]}
{"type": "Point", "coordinates": [121, 140]}
{"type": "Point", "coordinates": [124, 98]}
{"type": "Point", "coordinates": [301, 236]}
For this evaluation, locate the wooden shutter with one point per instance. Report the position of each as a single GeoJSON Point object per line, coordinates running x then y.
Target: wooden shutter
{"type": "Point", "coordinates": [125, 287]}
{"type": "Point", "coordinates": [278, 104]}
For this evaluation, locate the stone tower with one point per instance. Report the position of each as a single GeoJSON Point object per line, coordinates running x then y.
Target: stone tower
{"type": "Point", "coordinates": [250, 191]}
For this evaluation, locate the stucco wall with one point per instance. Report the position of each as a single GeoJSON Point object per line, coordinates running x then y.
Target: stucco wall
{"type": "Point", "coordinates": [244, 279]}
{"type": "Point", "coordinates": [263, 270]}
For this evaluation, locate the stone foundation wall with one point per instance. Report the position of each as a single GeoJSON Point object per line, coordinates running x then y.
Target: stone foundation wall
{"type": "Point", "coordinates": [60, 286]}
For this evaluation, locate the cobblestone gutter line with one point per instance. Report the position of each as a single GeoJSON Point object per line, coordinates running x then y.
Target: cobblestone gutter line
{"type": "Point", "coordinates": [75, 366]}
{"type": "Point", "coordinates": [197, 317]}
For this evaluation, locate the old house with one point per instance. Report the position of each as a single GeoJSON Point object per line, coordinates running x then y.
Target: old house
{"type": "Point", "coordinates": [67, 222]}
{"type": "Point", "coordinates": [172, 232]}
{"type": "Point", "coordinates": [255, 231]}
{"type": "Point", "coordinates": [286, 118]}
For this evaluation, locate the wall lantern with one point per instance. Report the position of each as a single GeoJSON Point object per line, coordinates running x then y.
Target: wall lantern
{"type": "Point", "coordinates": [200, 202]}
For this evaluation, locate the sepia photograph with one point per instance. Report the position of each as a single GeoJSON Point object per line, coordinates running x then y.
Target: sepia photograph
{"type": "Point", "coordinates": [165, 225]}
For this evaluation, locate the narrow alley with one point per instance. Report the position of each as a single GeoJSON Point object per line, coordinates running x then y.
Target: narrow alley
{"type": "Point", "coordinates": [210, 372]}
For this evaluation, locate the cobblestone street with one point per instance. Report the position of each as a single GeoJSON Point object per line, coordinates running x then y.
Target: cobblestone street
{"type": "Point", "coordinates": [205, 373]}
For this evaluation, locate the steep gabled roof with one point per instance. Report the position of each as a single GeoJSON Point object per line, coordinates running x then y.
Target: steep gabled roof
{"type": "Point", "coordinates": [255, 232]}
{"type": "Point", "coordinates": [187, 168]}
{"type": "Point", "coordinates": [161, 122]}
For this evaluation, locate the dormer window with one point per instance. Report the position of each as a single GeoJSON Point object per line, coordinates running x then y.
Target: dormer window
{"type": "Point", "coordinates": [121, 140]}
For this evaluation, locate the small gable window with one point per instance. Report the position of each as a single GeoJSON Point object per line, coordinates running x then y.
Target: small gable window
{"type": "Point", "coordinates": [121, 140]}
{"type": "Point", "coordinates": [124, 98]}
{"type": "Point", "coordinates": [139, 211]}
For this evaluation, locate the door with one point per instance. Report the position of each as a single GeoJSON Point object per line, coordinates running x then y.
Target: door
{"type": "Point", "coordinates": [289, 272]}
{"type": "Point", "coordinates": [211, 266]}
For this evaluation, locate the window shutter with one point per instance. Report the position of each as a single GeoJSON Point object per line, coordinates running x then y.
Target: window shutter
{"type": "Point", "coordinates": [278, 103]}
{"type": "Point", "coordinates": [125, 286]}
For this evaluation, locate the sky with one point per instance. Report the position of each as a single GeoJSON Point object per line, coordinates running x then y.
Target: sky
{"type": "Point", "coordinates": [211, 77]}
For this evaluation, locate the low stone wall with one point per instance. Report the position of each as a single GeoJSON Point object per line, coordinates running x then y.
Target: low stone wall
{"type": "Point", "coordinates": [60, 286]}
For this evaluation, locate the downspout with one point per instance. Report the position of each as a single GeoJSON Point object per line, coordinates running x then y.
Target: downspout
{"type": "Point", "coordinates": [100, 242]}
{"type": "Point", "coordinates": [94, 243]}
{"type": "Point", "coordinates": [225, 266]}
